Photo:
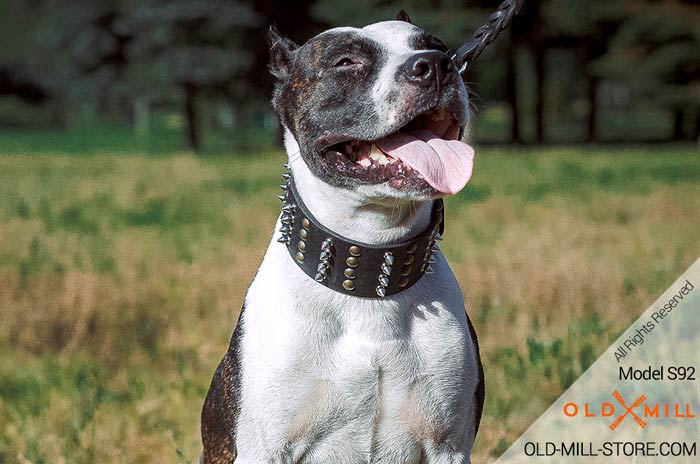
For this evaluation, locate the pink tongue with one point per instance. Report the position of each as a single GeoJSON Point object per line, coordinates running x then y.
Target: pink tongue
{"type": "Point", "coordinates": [445, 164]}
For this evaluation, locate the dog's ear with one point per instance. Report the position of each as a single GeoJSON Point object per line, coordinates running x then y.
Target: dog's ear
{"type": "Point", "coordinates": [403, 16]}
{"type": "Point", "coordinates": [281, 53]}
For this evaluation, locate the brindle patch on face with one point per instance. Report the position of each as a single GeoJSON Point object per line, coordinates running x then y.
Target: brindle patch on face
{"type": "Point", "coordinates": [326, 98]}
{"type": "Point", "coordinates": [320, 98]}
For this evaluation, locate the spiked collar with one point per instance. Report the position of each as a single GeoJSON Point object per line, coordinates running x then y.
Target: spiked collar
{"type": "Point", "coordinates": [351, 267]}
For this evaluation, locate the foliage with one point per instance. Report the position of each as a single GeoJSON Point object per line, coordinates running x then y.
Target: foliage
{"type": "Point", "coordinates": [656, 49]}
{"type": "Point", "coordinates": [103, 58]}
{"type": "Point", "coordinates": [125, 59]}
{"type": "Point", "coordinates": [199, 43]}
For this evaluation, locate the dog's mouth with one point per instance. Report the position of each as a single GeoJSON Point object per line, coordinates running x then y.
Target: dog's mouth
{"type": "Point", "coordinates": [425, 150]}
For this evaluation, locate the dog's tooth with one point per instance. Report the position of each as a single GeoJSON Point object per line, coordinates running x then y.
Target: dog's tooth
{"type": "Point", "coordinates": [375, 153]}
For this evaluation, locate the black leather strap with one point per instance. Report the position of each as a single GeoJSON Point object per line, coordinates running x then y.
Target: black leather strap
{"type": "Point", "coordinates": [486, 34]}
{"type": "Point", "coordinates": [350, 267]}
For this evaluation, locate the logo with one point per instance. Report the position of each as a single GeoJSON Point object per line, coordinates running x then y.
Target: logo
{"type": "Point", "coordinates": [628, 410]}
{"type": "Point", "coordinates": [640, 411]}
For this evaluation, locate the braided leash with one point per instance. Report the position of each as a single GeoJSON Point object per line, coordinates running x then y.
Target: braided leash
{"type": "Point", "coordinates": [486, 34]}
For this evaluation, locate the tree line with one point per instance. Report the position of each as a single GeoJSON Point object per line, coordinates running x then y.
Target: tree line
{"type": "Point", "coordinates": [124, 59]}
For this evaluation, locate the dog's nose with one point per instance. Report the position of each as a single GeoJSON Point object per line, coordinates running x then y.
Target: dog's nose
{"type": "Point", "coordinates": [428, 68]}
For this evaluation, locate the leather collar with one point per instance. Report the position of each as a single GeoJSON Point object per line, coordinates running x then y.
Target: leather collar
{"type": "Point", "coordinates": [351, 267]}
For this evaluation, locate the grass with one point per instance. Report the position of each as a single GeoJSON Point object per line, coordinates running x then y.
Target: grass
{"type": "Point", "coordinates": [121, 277]}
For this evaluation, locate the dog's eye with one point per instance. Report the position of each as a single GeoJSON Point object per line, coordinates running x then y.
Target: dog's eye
{"type": "Point", "coordinates": [344, 62]}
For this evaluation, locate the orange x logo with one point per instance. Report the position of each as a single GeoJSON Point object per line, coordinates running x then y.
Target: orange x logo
{"type": "Point", "coordinates": [628, 410]}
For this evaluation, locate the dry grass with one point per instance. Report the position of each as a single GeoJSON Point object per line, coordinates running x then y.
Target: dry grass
{"type": "Point", "coordinates": [121, 279]}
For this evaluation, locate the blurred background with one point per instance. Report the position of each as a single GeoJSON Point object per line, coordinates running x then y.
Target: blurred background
{"type": "Point", "coordinates": [162, 76]}
{"type": "Point", "coordinates": [139, 159]}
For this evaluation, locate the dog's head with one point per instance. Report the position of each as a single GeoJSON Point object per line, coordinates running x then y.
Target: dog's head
{"type": "Point", "coordinates": [380, 108]}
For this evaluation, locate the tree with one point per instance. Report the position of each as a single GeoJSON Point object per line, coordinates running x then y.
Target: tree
{"type": "Point", "coordinates": [657, 51]}
{"type": "Point", "coordinates": [18, 75]}
{"type": "Point", "coordinates": [585, 28]}
{"type": "Point", "coordinates": [183, 48]}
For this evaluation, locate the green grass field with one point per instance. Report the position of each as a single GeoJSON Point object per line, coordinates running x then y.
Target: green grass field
{"type": "Point", "coordinates": [121, 277]}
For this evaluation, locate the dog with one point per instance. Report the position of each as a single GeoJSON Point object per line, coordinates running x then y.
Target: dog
{"type": "Point", "coordinates": [353, 344]}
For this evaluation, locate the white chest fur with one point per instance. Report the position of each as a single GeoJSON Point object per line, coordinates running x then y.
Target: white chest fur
{"type": "Point", "coordinates": [329, 378]}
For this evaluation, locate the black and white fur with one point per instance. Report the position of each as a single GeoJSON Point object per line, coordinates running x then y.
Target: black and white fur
{"type": "Point", "coordinates": [316, 376]}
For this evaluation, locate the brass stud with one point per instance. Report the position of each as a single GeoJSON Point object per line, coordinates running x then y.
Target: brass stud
{"type": "Point", "coordinates": [350, 273]}
{"type": "Point", "coordinates": [408, 260]}
{"type": "Point", "coordinates": [403, 282]}
{"type": "Point", "coordinates": [348, 285]}
{"type": "Point", "coordinates": [412, 247]}
{"type": "Point", "coordinates": [406, 271]}
{"type": "Point", "coordinates": [305, 223]}
{"type": "Point", "coordinates": [352, 261]}
{"type": "Point", "coordinates": [355, 251]}
{"type": "Point", "coordinates": [300, 257]}
{"type": "Point", "coordinates": [301, 245]}
{"type": "Point", "coordinates": [303, 234]}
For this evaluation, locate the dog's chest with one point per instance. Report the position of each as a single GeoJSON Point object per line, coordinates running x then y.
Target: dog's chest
{"type": "Point", "coordinates": [330, 378]}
